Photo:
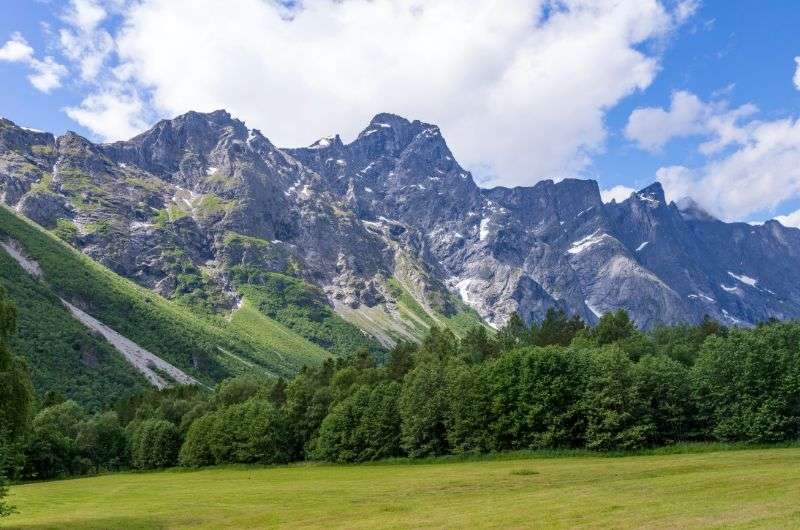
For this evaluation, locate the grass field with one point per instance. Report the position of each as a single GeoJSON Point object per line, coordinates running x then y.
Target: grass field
{"type": "Point", "coordinates": [731, 489]}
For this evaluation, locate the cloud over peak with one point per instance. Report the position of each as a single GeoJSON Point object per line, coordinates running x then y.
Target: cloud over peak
{"type": "Point", "coordinates": [519, 88]}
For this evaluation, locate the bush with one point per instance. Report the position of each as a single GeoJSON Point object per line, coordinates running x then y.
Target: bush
{"type": "Point", "coordinates": [154, 444]}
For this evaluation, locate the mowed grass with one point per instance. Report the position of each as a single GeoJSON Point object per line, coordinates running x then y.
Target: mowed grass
{"type": "Point", "coordinates": [730, 489]}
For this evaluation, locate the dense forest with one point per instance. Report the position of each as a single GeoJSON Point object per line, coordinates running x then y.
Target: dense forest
{"type": "Point", "coordinates": [556, 384]}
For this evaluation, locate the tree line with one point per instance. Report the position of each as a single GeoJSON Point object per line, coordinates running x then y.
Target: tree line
{"type": "Point", "coordinates": [555, 384]}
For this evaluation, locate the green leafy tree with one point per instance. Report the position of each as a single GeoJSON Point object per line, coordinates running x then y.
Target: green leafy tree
{"type": "Point", "coordinates": [401, 360]}
{"type": "Point", "coordinates": [196, 450]}
{"type": "Point", "coordinates": [613, 327]}
{"type": "Point", "coordinates": [423, 411]}
{"type": "Point", "coordinates": [5, 508]}
{"type": "Point", "coordinates": [747, 384]}
{"type": "Point", "coordinates": [154, 444]}
{"type": "Point", "coordinates": [537, 397]}
{"type": "Point", "coordinates": [514, 334]}
{"type": "Point", "coordinates": [469, 408]}
{"type": "Point", "coordinates": [439, 344]}
{"type": "Point", "coordinates": [251, 432]}
{"type": "Point", "coordinates": [16, 399]}
{"type": "Point", "coordinates": [365, 426]}
{"type": "Point", "coordinates": [53, 450]}
{"type": "Point", "coordinates": [238, 389]}
{"type": "Point", "coordinates": [102, 441]}
{"type": "Point", "coordinates": [664, 386]}
{"type": "Point", "coordinates": [616, 416]}
{"type": "Point", "coordinates": [557, 328]}
{"type": "Point", "coordinates": [16, 391]}
{"type": "Point", "coordinates": [308, 400]}
{"type": "Point", "coordinates": [477, 345]}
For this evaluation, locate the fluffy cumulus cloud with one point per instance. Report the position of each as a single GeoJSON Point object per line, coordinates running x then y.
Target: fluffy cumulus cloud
{"type": "Point", "coordinates": [652, 127]}
{"type": "Point", "coordinates": [111, 113]}
{"type": "Point", "coordinates": [83, 41]}
{"type": "Point", "coordinates": [790, 219]}
{"type": "Point", "coordinates": [45, 74]}
{"type": "Point", "coordinates": [519, 87]}
{"type": "Point", "coordinates": [617, 193]}
{"type": "Point", "coordinates": [16, 49]}
{"type": "Point", "coordinates": [750, 167]}
{"type": "Point", "coordinates": [759, 174]}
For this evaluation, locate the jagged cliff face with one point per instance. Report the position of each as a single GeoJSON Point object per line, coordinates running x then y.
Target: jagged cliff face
{"type": "Point", "coordinates": [390, 226]}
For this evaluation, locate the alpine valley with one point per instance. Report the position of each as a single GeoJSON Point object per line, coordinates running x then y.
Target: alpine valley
{"type": "Point", "coordinates": [215, 252]}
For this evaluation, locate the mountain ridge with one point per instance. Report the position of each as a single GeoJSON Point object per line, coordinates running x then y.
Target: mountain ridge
{"type": "Point", "coordinates": [387, 218]}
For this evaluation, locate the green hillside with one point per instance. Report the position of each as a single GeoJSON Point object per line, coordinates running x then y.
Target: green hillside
{"type": "Point", "coordinates": [65, 357]}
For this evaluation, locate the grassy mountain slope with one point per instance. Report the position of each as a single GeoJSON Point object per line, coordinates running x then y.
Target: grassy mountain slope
{"type": "Point", "coordinates": [63, 356]}
{"type": "Point", "coordinates": [208, 348]}
{"type": "Point", "coordinates": [302, 308]}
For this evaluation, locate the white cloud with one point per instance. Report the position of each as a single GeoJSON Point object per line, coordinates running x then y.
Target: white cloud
{"type": "Point", "coordinates": [677, 181]}
{"type": "Point", "coordinates": [651, 128]}
{"type": "Point", "coordinates": [618, 193]}
{"type": "Point", "coordinates": [84, 42]}
{"type": "Point", "coordinates": [46, 73]}
{"type": "Point", "coordinates": [521, 87]}
{"type": "Point", "coordinates": [85, 15]}
{"type": "Point", "coordinates": [724, 128]}
{"type": "Point", "coordinates": [111, 114]}
{"type": "Point", "coordinates": [797, 73]}
{"type": "Point", "coordinates": [760, 175]}
{"type": "Point", "coordinates": [16, 49]}
{"type": "Point", "coordinates": [790, 219]}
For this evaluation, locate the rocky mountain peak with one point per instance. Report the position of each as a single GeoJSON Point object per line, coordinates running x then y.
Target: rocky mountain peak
{"type": "Point", "coordinates": [393, 204]}
{"type": "Point", "coordinates": [652, 194]}
{"type": "Point", "coordinates": [690, 210]}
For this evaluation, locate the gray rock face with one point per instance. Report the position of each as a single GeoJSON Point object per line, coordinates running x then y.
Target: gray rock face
{"type": "Point", "coordinates": [202, 194]}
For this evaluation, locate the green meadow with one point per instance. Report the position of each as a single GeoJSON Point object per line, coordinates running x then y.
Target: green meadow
{"type": "Point", "coordinates": [755, 488]}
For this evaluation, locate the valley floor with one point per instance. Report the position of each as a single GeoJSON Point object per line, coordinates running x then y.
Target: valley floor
{"type": "Point", "coordinates": [731, 489]}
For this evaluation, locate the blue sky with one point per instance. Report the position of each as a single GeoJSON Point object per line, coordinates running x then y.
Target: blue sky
{"type": "Point", "coordinates": [698, 94]}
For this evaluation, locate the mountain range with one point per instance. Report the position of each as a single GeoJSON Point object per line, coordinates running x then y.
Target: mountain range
{"type": "Point", "coordinates": [374, 241]}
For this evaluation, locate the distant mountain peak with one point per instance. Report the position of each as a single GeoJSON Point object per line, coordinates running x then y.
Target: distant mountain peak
{"type": "Point", "coordinates": [691, 210]}
{"type": "Point", "coordinates": [652, 194]}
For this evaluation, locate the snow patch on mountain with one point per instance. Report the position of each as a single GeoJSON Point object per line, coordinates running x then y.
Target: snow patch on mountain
{"type": "Point", "coordinates": [586, 242]}
{"type": "Point", "coordinates": [744, 279]}
{"type": "Point", "coordinates": [484, 229]}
